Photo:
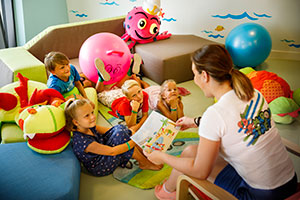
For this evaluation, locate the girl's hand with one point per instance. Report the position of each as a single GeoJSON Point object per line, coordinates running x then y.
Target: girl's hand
{"type": "Point", "coordinates": [135, 105]}
{"type": "Point", "coordinates": [185, 123]}
{"type": "Point", "coordinates": [155, 157]}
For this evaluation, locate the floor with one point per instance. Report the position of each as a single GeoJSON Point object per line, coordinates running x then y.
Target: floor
{"type": "Point", "coordinates": [93, 188]}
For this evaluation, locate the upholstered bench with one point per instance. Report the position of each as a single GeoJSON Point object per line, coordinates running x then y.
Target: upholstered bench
{"type": "Point", "coordinates": [26, 174]}
{"type": "Point", "coordinates": [14, 60]}
{"type": "Point", "coordinates": [170, 58]}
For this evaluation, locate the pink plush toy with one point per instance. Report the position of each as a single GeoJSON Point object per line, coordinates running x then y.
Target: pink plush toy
{"type": "Point", "coordinates": [142, 24]}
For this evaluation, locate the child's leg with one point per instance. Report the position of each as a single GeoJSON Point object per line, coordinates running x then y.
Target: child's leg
{"type": "Point", "coordinates": [102, 73]}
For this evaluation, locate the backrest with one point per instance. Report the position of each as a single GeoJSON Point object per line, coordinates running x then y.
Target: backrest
{"type": "Point", "coordinates": [68, 38]}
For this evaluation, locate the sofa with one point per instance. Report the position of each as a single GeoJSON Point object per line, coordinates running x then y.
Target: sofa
{"type": "Point", "coordinates": [171, 62]}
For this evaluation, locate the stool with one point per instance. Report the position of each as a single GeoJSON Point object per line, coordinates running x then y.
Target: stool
{"type": "Point", "coordinates": [170, 58]}
{"type": "Point", "coordinates": [25, 174]}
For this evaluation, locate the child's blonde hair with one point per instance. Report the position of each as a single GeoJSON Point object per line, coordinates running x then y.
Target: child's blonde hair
{"type": "Point", "coordinates": [53, 58]}
{"type": "Point", "coordinates": [127, 85]}
{"type": "Point", "coordinates": [165, 83]}
{"type": "Point", "coordinates": [70, 111]}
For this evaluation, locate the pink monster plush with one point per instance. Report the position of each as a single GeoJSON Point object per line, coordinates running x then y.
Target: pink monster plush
{"type": "Point", "coordinates": [142, 24]}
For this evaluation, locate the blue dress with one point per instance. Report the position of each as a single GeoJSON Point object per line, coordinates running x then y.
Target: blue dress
{"type": "Point", "coordinates": [102, 165]}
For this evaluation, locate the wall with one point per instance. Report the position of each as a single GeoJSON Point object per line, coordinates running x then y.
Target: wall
{"type": "Point", "coordinates": [199, 17]}
{"type": "Point", "coordinates": [33, 16]}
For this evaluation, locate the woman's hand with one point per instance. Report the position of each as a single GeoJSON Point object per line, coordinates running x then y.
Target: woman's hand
{"type": "Point", "coordinates": [155, 157]}
{"type": "Point", "coordinates": [185, 123]}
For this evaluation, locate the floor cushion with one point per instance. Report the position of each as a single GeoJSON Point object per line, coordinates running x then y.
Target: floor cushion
{"type": "Point", "coordinates": [26, 174]}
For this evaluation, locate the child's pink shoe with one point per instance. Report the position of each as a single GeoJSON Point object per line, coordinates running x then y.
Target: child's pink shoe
{"type": "Point", "coordinates": [161, 194]}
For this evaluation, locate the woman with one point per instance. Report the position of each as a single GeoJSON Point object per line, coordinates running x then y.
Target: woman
{"type": "Point", "coordinates": [239, 128]}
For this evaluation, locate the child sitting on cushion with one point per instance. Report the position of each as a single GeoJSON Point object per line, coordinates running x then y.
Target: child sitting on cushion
{"type": "Point", "coordinates": [133, 108]}
{"type": "Point", "coordinates": [64, 76]}
{"type": "Point", "coordinates": [166, 99]}
{"type": "Point", "coordinates": [101, 149]}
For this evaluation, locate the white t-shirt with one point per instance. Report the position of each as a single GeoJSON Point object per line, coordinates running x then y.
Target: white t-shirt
{"type": "Point", "coordinates": [260, 159]}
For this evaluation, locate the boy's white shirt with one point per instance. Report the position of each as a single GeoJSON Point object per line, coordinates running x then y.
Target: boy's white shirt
{"type": "Point", "coordinates": [264, 165]}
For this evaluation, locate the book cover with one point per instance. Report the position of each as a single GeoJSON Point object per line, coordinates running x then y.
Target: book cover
{"type": "Point", "coordinates": [157, 133]}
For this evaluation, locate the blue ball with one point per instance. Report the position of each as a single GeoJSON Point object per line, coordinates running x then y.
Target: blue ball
{"type": "Point", "coordinates": [249, 44]}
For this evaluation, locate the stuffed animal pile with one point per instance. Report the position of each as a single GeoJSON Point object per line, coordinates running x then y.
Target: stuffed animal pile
{"type": "Point", "coordinates": [36, 109]}
{"type": "Point", "coordinates": [284, 103]}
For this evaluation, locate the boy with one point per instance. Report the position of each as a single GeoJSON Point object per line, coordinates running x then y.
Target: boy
{"type": "Point", "coordinates": [64, 76]}
{"type": "Point", "coordinates": [133, 108]}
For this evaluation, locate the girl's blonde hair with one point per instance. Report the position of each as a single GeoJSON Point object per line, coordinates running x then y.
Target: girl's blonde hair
{"type": "Point", "coordinates": [127, 85]}
{"type": "Point", "coordinates": [217, 62]}
{"type": "Point", "coordinates": [165, 83]}
{"type": "Point", "coordinates": [70, 111]}
{"type": "Point", "coordinates": [53, 58]}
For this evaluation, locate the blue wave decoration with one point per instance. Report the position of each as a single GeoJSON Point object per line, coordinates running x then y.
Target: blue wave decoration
{"type": "Point", "coordinates": [262, 15]}
{"type": "Point", "coordinates": [216, 36]}
{"type": "Point", "coordinates": [74, 11]}
{"type": "Point", "coordinates": [295, 45]}
{"type": "Point", "coordinates": [288, 41]}
{"type": "Point", "coordinates": [132, 0]}
{"type": "Point", "coordinates": [168, 20]}
{"type": "Point", "coordinates": [205, 31]}
{"type": "Point", "coordinates": [110, 4]}
{"type": "Point", "coordinates": [241, 16]}
{"type": "Point", "coordinates": [81, 15]}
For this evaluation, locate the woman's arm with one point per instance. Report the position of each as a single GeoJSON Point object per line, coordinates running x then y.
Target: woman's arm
{"type": "Point", "coordinates": [199, 167]}
{"type": "Point", "coordinates": [102, 149]}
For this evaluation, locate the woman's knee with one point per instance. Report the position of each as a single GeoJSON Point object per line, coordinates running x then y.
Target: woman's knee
{"type": "Point", "coordinates": [189, 151]}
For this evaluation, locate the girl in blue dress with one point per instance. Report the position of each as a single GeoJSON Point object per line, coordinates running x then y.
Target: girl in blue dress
{"type": "Point", "coordinates": [101, 149]}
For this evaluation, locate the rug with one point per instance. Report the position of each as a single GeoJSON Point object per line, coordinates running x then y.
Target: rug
{"type": "Point", "coordinates": [103, 110]}
{"type": "Point", "coordinates": [148, 179]}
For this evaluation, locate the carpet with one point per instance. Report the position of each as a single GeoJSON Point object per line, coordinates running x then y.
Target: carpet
{"type": "Point", "coordinates": [148, 179]}
{"type": "Point", "coordinates": [103, 110]}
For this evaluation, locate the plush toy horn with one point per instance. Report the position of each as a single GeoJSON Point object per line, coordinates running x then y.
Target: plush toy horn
{"type": "Point", "coordinates": [151, 6]}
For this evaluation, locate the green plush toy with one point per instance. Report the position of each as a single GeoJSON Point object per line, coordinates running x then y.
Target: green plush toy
{"type": "Point", "coordinates": [44, 126]}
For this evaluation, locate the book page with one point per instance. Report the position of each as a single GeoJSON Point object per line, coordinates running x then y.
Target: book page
{"type": "Point", "coordinates": [157, 133]}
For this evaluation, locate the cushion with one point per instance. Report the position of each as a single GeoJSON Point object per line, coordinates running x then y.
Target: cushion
{"type": "Point", "coordinates": [26, 174]}
{"type": "Point", "coordinates": [10, 133]}
{"type": "Point", "coordinates": [14, 60]}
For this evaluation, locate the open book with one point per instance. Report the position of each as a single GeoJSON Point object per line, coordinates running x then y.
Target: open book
{"type": "Point", "coordinates": [157, 133]}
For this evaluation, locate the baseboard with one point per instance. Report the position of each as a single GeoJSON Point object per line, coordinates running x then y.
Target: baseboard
{"type": "Point", "coordinates": [286, 55]}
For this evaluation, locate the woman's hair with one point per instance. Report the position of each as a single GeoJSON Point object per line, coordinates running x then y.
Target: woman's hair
{"type": "Point", "coordinates": [216, 61]}
{"type": "Point", "coordinates": [70, 111]}
{"type": "Point", "coordinates": [53, 58]}
{"type": "Point", "coordinates": [127, 85]}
